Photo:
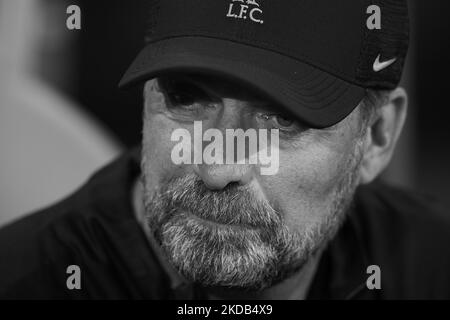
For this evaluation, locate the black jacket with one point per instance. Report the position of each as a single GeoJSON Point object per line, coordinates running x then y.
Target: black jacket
{"type": "Point", "coordinates": [95, 229]}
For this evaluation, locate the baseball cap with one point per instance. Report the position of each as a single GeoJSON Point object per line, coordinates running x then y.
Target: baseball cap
{"type": "Point", "coordinates": [316, 58]}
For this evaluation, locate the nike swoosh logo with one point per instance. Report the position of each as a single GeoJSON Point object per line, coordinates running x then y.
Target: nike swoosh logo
{"type": "Point", "coordinates": [378, 66]}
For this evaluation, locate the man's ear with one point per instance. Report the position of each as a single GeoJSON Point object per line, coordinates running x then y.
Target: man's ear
{"type": "Point", "coordinates": [382, 135]}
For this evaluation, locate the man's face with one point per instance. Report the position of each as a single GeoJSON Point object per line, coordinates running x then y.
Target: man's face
{"type": "Point", "coordinates": [227, 224]}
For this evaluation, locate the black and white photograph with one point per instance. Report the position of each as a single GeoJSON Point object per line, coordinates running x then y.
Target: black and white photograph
{"type": "Point", "coordinates": [216, 150]}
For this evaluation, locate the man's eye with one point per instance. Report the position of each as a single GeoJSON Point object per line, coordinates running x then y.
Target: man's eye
{"type": "Point", "coordinates": [279, 120]}
{"type": "Point", "coordinates": [182, 98]}
{"type": "Point", "coordinates": [184, 94]}
{"type": "Point", "coordinates": [288, 126]}
{"type": "Point", "coordinates": [284, 121]}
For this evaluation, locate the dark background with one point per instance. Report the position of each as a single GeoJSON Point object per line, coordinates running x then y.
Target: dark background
{"type": "Point", "coordinates": [112, 34]}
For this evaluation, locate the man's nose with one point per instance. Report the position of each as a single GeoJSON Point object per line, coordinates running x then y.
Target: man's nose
{"type": "Point", "coordinates": [218, 176]}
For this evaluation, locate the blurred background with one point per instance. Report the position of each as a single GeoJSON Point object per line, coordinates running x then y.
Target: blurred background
{"type": "Point", "coordinates": [62, 116]}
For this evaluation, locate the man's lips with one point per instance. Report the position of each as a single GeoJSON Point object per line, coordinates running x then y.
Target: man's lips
{"type": "Point", "coordinates": [217, 222]}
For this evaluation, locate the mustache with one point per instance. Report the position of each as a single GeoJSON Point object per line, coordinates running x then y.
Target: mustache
{"type": "Point", "coordinates": [235, 205]}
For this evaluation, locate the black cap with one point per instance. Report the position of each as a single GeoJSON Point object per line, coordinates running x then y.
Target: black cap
{"type": "Point", "coordinates": [316, 58]}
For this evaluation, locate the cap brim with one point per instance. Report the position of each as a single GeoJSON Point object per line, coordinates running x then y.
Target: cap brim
{"type": "Point", "coordinates": [314, 96]}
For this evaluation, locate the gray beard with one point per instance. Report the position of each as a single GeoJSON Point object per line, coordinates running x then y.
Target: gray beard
{"type": "Point", "coordinates": [229, 238]}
